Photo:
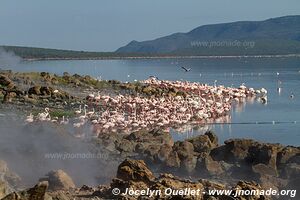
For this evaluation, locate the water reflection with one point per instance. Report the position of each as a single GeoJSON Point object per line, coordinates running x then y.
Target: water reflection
{"type": "Point", "coordinates": [192, 130]}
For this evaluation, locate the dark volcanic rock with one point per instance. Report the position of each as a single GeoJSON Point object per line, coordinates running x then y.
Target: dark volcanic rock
{"type": "Point", "coordinates": [6, 82]}
{"type": "Point", "coordinates": [234, 150]}
{"type": "Point", "coordinates": [209, 167]}
{"type": "Point", "coordinates": [59, 180]}
{"type": "Point", "coordinates": [173, 161]}
{"type": "Point", "coordinates": [125, 146]}
{"type": "Point", "coordinates": [184, 149]}
{"type": "Point", "coordinates": [164, 182]}
{"type": "Point", "coordinates": [4, 189]}
{"type": "Point", "coordinates": [287, 155]}
{"type": "Point", "coordinates": [38, 192]}
{"type": "Point", "coordinates": [8, 89]}
{"type": "Point", "coordinates": [8, 176]}
{"type": "Point", "coordinates": [262, 169]}
{"type": "Point", "coordinates": [49, 92]}
{"type": "Point", "coordinates": [250, 186]}
{"type": "Point", "coordinates": [213, 138]}
{"type": "Point", "coordinates": [186, 154]}
{"type": "Point", "coordinates": [36, 90]}
{"type": "Point", "coordinates": [264, 153]}
{"type": "Point", "coordinates": [201, 143]}
{"type": "Point", "coordinates": [135, 170]}
{"type": "Point", "coordinates": [164, 152]}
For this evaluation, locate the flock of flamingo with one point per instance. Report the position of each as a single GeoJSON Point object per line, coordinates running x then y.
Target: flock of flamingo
{"type": "Point", "coordinates": [127, 113]}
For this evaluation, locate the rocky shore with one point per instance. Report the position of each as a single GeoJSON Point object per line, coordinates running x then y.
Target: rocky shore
{"type": "Point", "coordinates": [271, 165]}
{"type": "Point", "coordinates": [147, 159]}
{"type": "Point", "coordinates": [200, 162]}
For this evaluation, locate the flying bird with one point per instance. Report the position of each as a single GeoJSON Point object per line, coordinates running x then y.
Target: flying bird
{"type": "Point", "coordinates": [186, 69]}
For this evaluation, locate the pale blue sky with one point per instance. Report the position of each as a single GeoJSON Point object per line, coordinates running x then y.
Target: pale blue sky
{"type": "Point", "coordinates": [105, 25]}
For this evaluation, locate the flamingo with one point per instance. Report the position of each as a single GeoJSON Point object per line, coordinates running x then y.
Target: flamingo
{"type": "Point", "coordinates": [91, 112]}
{"type": "Point", "coordinates": [29, 118]}
{"type": "Point", "coordinates": [79, 124]}
{"type": "Point", "coordinates": [54, 120]}
{"type": "Point", "coordinates": [94, 121]}
{"type": "Point", "coordinates": [98, 97]}
{"type": "Point", "coordinates": [203, 102]}
{"type": "Point", "coordinates": [44, 116]}
{"type": "Point", "coordinates": [85, 114]}
{"type": "Point", "coordinates": [78, 111]}
{"type": "Point", "coordinates": [92, 96]}
{"type": "Point", "coordinates": [63, 121]}
{"type": "Point", "coordinates": [263, 91]}
{"type": "Point", "coordinates": [243, 87]}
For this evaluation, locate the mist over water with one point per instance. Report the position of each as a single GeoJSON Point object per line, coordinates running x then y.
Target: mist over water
{"type": "Point", "coordinates": [25, 148]}
{"type": "Point", "coordinates": [8, 59]}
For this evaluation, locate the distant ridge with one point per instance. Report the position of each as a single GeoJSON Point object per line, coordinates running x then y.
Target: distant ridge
{"type": "Point", "coordinates": [47, 53]}
{"type": "Point", "coordinates": [269, 37]}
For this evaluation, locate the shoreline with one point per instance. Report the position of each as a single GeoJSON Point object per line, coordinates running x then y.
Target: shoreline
{"type": "Point", "coordinates": [164, 57]}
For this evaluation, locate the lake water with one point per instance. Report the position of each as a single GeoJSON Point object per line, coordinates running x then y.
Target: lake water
{"type": "Point", "coordinates": [254, 72]}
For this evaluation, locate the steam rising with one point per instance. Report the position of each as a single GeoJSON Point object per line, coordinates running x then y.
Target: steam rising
{"type": "Point", "coordinates": [8, 58]}
{"type": "Point", "coordinates": [24, 148]}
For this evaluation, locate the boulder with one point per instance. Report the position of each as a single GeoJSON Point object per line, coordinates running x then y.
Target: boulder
{"type": "Point", "coordinates": [59, 180]}
{"type": "Point", "coordinates": [36, 90]}
{"type": "Point", "coordinates": [6, 82]}
{"type": "Point", "coordinates": [165, 181]}
{"type": "Point", "coordinates": [265, 154]}
{"type": "Point", "coordinates": [269, 181]}
{"type": "Point", "coordinates": [286, 154]}
{"type": "Point", "coordinates": [134, 170]}
{"type": "Point", "coordinates": [173, 161]}
{"type": "Point", "coordinates": [188, 164]}
{"type": "Point", "coordinates": [164, 152]}
{"type": "Point", "coordinates": [213, 138]}
{"type": "Point", "coordinates": [249, 186]}
{"type": "Point", "coordinates": [4, 189]}
{"type": "Point", "coordinates": [151, 152]}
{"type": "Point", "coordinates": [46, 90]}
{"type": "Point", "coordinates": [7, 176]}
{"type": "Point", "coordinates": [208, 166]}
{"type": "Point", "coordinates": [262, 169]}
{"type": "Point", "coordinates": [186, 154]}
{"type": "Point", "coordinates": [238, 149]}
{"type": "Point", "coordinates": [234, 150]}
{"type": "Point", "coordinates": [202, 143]}
{"type": "Point", "coordinates": [184, 149]}
{"type": "Point", "coordinates": [38, 192]}
{"type": "Point", "coordinates": [126, 146]}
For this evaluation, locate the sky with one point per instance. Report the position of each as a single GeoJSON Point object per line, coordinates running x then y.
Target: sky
{"type": "Point", "coordinates": [105, 25]}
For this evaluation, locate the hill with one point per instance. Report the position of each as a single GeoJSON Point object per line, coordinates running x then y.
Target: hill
{"type": "Point", "coordinates": [273, 36]}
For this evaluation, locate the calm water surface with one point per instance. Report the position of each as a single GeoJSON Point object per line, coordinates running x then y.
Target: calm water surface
{"type": "Point", "coordinates": [254, 72]}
